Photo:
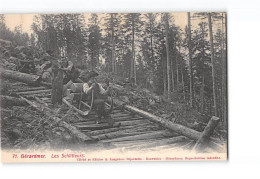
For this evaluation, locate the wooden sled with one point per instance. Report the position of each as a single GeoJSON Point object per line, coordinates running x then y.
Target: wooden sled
{"type": "Point", "coordinates": [89, 107]}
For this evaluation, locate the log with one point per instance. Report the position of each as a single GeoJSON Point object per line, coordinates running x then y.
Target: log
{"type": "Point", "coordinates": [205, 136]}
{"type": "Point", "coordinates": [29, 79]}
{"type": "Point", "coordinates": [49, 85]}
{"type": "Point", "coordinates": [73, 130]}
{"type": "Point", "coordinates": [114, 129]}
{"type": "Point", "coordinates": [160, 142]}
{"type": "Point", "coordinates": [17, 60]}
{"type": "Point", "coordinates": [28, 89]}
{"type": "Point", "coordinates": [33, 92]}
{"type": "Point", "coordinates": [98, 126]}
{"type": "Point", "coordinates": [152, 135]}
{"type": "Point", "coordinates": [11, 101]}
{"type": "Point", "coordinates": [92, 120]}
{"type": "Point", "coordinates": [182, 130]}
{"type": "Point", "coordinates": [105, 125]}
{"type": "Point", "coordinates": [123, 133]}
{"type": "Point", "coordinates": [119, 134]}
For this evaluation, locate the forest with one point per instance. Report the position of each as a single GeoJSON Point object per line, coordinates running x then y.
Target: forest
{"type": "Point", "coordinates": [184, 66]}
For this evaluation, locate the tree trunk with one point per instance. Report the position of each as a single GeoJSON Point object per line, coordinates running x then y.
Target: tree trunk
{"type": "Point", "coordinates": [208, 131]}
{"type": "Point", "coordinates": [182, 82]}
{"type": "Point", "coordinates": [213, 65]}
{"type": "Point", "coordinates": [113, 45]}
{"type": "Point", "coordinates": [190, 61]}
{"type": "Point", "coordinates": [168, 56]}
{"type": "Point", "coordinates": [22, 77]}
{"type": "Point", "coordinates": [11, 101]}
{"type": "Point", "coordinates": [133, 65]}
{"type": "Point", "coordinates": [57, 86]}
{"type": "Point", "coordinates": [34, 92]}
{"type": "Point", "coordinates": [223, 73]}
{"type": "Point", "coordinates": [146, 136]}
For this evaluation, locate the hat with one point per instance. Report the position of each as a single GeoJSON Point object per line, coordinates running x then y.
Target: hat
{"type": "Point", "coordinates": [93, 73]}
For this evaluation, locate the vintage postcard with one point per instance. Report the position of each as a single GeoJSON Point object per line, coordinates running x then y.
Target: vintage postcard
{"type": "Point", "coordinates": [113, 87]}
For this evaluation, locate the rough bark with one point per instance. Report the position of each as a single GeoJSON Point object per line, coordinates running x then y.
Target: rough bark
{"type": "Point", "coordinates": [205, 136]}
{"type": "Point", "coordinates": [11, 101]}
{"type": "Point", "coordinates": [29, 79]}
{"type": "Point", "coordinates": [161, 142]}
{"type": "Point", "coordinates": [123, 133]}
{"type": "Point", "coordinates": [113, 44]}
{"type": "Point", "coordinates": [33, 92]}
{"type": "Point", "coordinates": [168, 66]}
{"type": "Point", "coordinates": [133, 69]}
{"type": "Point", "coordinates": [27, 89]}
{"type": "Point", "coordinates": [190, 62]}
{"type": "Point", "coordinates": [57, 86]}
{"type": "Point", "coordinates": [223, 95]}
{"type": "Point", "coordinates": [213, 65]}
{"type": "Point", "coordinates": [146, 136]}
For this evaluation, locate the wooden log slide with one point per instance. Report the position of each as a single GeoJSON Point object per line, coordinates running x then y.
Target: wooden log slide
{"type": "Point", "coordinates": [145, 136]}
{"type": "Point", "coordinates": [33, 80]}
{"type": "Point", "coordinates": [159, 142]}
{"type": "Point", "coordinates": [73, 130]}
{"type": "Point", "coordinates": [83, 113]}
{"type": "Point", "coordinates": [180, 129]}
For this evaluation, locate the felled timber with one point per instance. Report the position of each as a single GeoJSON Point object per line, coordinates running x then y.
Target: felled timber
{"type": "Point", "coordinates": [120, 134]}
{"type": "Point", "coordinates": [114, 129]}
{"type": "Point", "coordinates": [152, 135]}
{"type": "Point", "coordinates": [33, 80]}
{"type": "Point", "coordinates": [160, 142]}
{"type": "Point", "coordinates": [49, 85]}
{"type": "Point", "coordinates": [105, 125]}
{"type": "Point", "coordinates": [34, 92]}
{"type": "Point", "coordinates": [73, 130]}
{"type": "Point", "coordinates": [28, 89]}
{"type": "Point", "coordinates": [91, 121]}
{"type": "Point", "coordinates": [180, 129]}
{"type": "Point", "coordinates": [125, 132]}
{"type": "Point", "coordinates": [208, 131]}
{"type": "Point", "coordinates": [11, 101]}
{"type": "Point", "coordinates": [97, 126]}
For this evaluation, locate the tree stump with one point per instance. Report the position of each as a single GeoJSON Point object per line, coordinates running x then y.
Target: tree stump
{"type": "Point", "coordinates": [57, 86]}
{"type": "Point", "coordinates": [208, 131]}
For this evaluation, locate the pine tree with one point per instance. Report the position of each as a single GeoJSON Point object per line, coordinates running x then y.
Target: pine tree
{"type": "Point", "coordinates": [112, 24]}
{"type": "Point", "coordinates": [132, 27]}
{"type": "Point", "coordinates": [190, 61]}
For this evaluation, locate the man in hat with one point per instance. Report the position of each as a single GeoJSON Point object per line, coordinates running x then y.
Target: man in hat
{"type": "Point", "coordinates": [99, 97]}
{"type": "Point", "coordinates": [71, 72]}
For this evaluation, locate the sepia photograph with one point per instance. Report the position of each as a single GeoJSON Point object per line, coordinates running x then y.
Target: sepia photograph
{"type": "Point", "coordinates": [114, 87]}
